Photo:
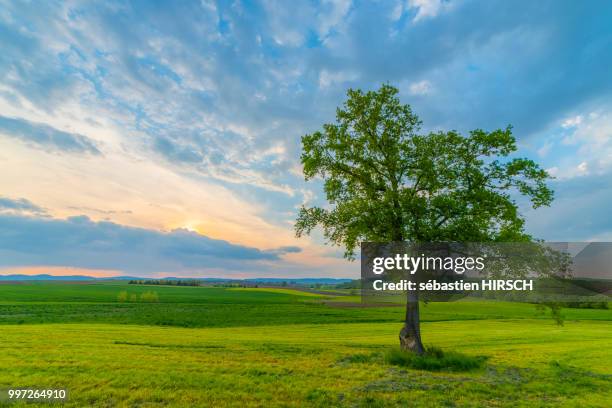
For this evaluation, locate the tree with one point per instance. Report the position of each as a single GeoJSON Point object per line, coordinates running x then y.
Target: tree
{"type": "Point", "coordinates": [385, 181]}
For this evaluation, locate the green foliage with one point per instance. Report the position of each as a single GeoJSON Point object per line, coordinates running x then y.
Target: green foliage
{"type": "Point", "coordinates": [434, 359]}
{"type": "Point", "coordinates": [122, 296]}
{"type": "Point", "coordinates": [555, 309]}
{"type": "Point", "coordinates": [587, 305]}
{"type": "Point", "coordinates": [165, 282]}
{"type": "Point", "coordinates": [149, 297]}
{"type": "Point", "coordinates": [354, 284]}
{"type": "Point", "coordinates": [387, 182]}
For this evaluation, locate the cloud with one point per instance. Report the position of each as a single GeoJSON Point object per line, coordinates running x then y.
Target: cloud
{"type": "Point", "coordinates": [19, 206]}
{"type": "Point", "coordinates": [287, 250]}
{"type": "Point", "coordinates": [572, 122]}
{"type": "Point", "coordinates": [427, 8]}
{"type": "Point", "coordinates": [212, 92]}
{"type": "Point", "coordinates": [79, 242]}
{"type": "Point", "coordinates": [420, 87]}
{"type": "Point", "coordinates": [580, 211]}
{"type": "Point", "coordinates": [580, 145]}
{"type": "Point", "coordinates": [256, 69]}
{"type": "Point", "coordinates": [326, 78]}
{"type": "Point", "coordinates": [46, 137]}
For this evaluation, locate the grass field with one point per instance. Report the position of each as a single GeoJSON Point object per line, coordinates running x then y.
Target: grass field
{"type": "Point", "coordinates": [266, 347]}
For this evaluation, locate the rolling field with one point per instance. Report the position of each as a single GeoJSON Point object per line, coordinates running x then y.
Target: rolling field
{"type": "Point", "coordinates": [253, 347]}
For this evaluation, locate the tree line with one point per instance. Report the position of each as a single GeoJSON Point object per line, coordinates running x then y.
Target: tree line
{"type": "Point", "coordinates": [165, 282]}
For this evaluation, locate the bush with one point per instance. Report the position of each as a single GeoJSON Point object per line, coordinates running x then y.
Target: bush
{"type": "Point", "coordinates": [434, 359]}
{"type": "Point", "coordinates": [150, 297]}
{"type": "Point", "coordinates": [169, 282]}
{"type": "Point", "coordinates": [586, 305]}
{"type": "Point", "coordinates": [122, 296]}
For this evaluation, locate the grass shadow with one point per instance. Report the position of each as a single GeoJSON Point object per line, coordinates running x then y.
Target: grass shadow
{"type": "Point", "coordinates": [435, 359]}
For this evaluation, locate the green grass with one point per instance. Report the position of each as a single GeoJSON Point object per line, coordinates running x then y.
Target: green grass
{"type": "Point", "coordinates": [226, 307]}
{"type": "Point", "coordinates": [530, 363]}
{"type": "Point", "coordinates": [435, 359]}
{"type": "Point", "coordinates": [108, 291]}
{"type": "Point", "coordinates": [227, 347]}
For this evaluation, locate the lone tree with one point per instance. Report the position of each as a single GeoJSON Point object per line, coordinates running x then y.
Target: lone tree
{"type": "Point", "coordinates": [386, 182]}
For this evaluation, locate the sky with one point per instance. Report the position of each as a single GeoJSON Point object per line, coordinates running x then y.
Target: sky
{"type": "Point", "coordinates": [163, 138]}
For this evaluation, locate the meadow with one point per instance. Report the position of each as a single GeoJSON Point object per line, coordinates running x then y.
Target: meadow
{"type": "Point", "coordinates": [204, 346]}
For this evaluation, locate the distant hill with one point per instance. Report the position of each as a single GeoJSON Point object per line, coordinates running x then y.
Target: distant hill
{"type": "Point", "coordinates": [302, 281]}
{"type": "Point", "coordinates": [45, 277]}
{"type": "Point", "coordinates": [294, 281]}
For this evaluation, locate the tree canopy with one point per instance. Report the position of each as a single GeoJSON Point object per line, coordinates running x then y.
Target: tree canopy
{"type": "Point", "coordinates": [385, 181]}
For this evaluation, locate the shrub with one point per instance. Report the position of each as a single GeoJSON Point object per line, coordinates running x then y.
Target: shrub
{"type": "Point", "coordinates": [150, 297]}
{"type": "Point", "coordinates": [122, 296]}
{"type": "Point", "coordinates": [587, 305]}
{"type": "Point", "coordinates": [434, 359]}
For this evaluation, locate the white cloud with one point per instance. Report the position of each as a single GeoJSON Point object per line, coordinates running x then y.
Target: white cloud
{"type": "Point", "coordinates": [572, 122]}
{"type": "Point", "coordinates": [545, 149]}
{"type": "Point", "coordinates": [327, 78]}
{"type": "Point", "coordinates": [553, 171]}
{"type": "Point", "coordinates": [226, 88]}
{"type": "Point", "coordinates": [397, 11]}
{"type": "Point", "coordinates": [427, 8]}
{"type": "Point", "coordinates": [332, 15]}
{"type": "Point", "coordinates": [420, 88]}
{"type": "Point", "coordinates": [589, 137]}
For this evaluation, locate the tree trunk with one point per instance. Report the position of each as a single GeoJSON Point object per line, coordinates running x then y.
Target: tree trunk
{"type": "Point", "coordinates": [410, 335]}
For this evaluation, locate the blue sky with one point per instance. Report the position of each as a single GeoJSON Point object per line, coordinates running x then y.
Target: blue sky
{"type": "Point", "coordinates": [175, 127]}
